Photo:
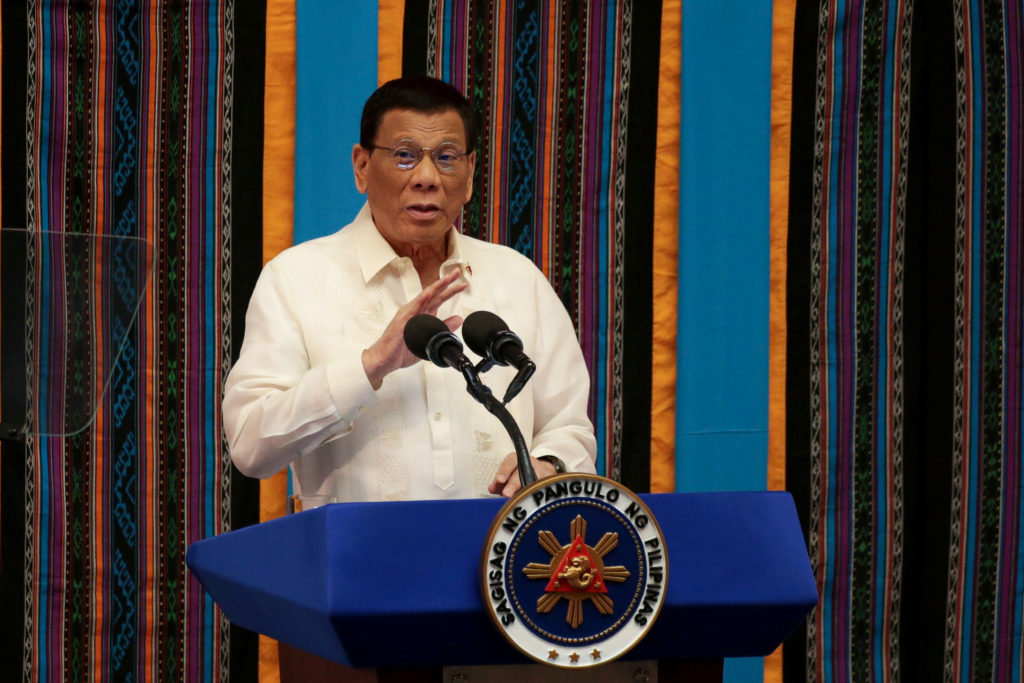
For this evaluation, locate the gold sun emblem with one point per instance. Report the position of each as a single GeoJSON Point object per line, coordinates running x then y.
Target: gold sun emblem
{"type": "Point", "coordinates": [576, 572]}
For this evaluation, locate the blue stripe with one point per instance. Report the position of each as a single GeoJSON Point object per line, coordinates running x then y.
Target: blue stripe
{"type": "Point", "coordinates": [977, 223]}
{"type": "Point", "coordinates": [45, 475]}
{"type": "Point", "coordinates": [724, 263]}
{"type": "Point", "coordinates": [448, 35]}
{"type": "Point", "coordinates": [211, 284]}
{"type": "Point", "coordinates": [603, 238]}
{"type": "Point", "coordinates": [331, 86]}
{"type": "Point", "coordinates": [831, 361]}
{"type": "Point", "coordinates": [722, 350]}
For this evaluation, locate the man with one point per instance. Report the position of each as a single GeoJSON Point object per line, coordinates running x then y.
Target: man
{"type": "Point", "coordinates": [324, 382]}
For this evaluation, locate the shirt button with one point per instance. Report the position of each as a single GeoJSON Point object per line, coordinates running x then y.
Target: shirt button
{"type": "Point", "coordinates": [437, 417]}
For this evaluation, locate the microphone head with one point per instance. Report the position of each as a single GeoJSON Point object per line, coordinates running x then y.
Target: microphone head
{"type": "Point", "coordinates": [479, 329]}
{"type": "Point", "coordinates": [418, 332]}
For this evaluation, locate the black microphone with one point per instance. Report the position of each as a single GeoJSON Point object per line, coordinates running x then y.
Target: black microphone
{"type": "Point", "coordinates": [489, 337]}
{"type": "Point", "coordinates": [430, 339]}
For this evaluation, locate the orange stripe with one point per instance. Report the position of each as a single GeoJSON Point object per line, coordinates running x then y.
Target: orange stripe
{"type": "Point", "coordinates": [152, 340]}
{"type": "Point", "coordinates": [279, 129]}
{"type": "Point", "coordinates": [97, 612]}
{"type": "Point", "coordinates": [782, 87]}
{"type": "Point", "coordinates": [278, 208]}
{"type": "Point", "coordinates": [391, 15]}
{"type": "Point", "coordinates": [665, 278]}
{"type": "Point", "coordinates": [782, 95]}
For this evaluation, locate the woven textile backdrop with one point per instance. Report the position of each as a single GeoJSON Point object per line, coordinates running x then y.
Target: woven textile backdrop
{"type": "Point", "coordinates": [906, 297]}
{"type": "Point", "coordinates": [566, 93]}
{"type": "Point", "coordinates": [131, 122]}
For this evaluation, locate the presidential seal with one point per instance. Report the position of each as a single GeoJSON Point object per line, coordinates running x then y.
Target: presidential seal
{"type": "Point", "coordinates": [574, 570]}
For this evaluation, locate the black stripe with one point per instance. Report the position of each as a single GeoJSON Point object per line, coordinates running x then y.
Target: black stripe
{"type": "Point", "coordinates": [929, 320]}
{"type": "Point", "coordinates": [12, 115]}
{"type": "Point", "coordinates": [798, 411]}
{"type": "Point", "coordinates": [414, 38]}
{"type": "Point", "coordinates": [246, 257]}
{"type": "Point", "coordinates": [866, 325]}
{"type": "Point", "coordinates": [12, 345]}
{"type": "Point", "coordinates": [641, 141]}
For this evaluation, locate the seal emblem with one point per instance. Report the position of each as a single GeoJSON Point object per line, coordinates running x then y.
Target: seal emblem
{"type": "Point", "coordinates": [571, 604]}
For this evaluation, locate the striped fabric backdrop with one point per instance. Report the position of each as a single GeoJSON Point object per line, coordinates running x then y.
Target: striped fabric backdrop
{"type": "Point", "coordinates": [906, 277]}
{"type": "Point", "coordinates": [125, 125]}
{"type": "Point", "coordinates": [142, 123]}
{"type": "Point", "coordinates": [566, 93]}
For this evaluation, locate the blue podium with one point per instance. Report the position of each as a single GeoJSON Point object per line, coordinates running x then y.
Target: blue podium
{"type": "Point", "coordinates": [397, 584]}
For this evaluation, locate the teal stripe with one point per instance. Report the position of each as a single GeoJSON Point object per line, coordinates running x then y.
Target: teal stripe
{"type": "Point", "coordinates": [722, 354]}
{"type": "Point", "coordinates": [604, 236]}
{"type": "Point", "coordinates": [45, 475]}
{"type": "Point", "coordinates": [976, 224]}
{"type": "Point", "coordinates": [724, 278]}
{"type": "Point", "coordinates": [331, 86]}
{"type": "Point", "coordinates": [211, 297]}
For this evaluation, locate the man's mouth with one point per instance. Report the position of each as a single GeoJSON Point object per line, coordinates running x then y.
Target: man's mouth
{"type": "Point", "coordinates": [423, 211]}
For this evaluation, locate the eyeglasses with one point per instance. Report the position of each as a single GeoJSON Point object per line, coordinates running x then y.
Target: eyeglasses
{"type": "Point", "coordinates": [447, 158]}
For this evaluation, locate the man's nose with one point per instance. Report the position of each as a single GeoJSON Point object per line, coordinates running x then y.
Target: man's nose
{"type": "Point", "coordinates": [425, 173]}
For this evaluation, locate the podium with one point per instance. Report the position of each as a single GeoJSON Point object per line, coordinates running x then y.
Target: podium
{"type": "Point", "coordinates": [398, 584]}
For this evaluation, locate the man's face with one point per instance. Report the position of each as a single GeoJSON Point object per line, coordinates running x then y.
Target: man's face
{"type": "Point", "coordinates": [414, 207]}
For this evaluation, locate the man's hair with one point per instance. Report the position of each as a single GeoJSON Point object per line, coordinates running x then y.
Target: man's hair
{"type": "Point", "coordinates": [417, 93]}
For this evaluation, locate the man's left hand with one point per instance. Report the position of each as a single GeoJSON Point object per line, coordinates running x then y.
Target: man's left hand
{"type": "Point", "coordinates": [506, 480]}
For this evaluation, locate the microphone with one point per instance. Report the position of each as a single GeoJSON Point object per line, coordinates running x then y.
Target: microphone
{"type": "Point", "coordinates": [430, 339]}
{"type": "Point", "coordinates": [489, 337]}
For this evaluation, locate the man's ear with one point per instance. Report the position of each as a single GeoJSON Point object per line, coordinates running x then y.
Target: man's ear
{"type": "Point", "coordinates": [360, 160]}
{"type": "Point", "coordinates": [471, 158]}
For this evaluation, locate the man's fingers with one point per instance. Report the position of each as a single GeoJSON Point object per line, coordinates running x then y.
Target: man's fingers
{"type": "Point", "coordinates": [389, 353]}
{"type": "Point", "coordinates": [453, 322]}
{"type": "Point", "coordinates": [506, 468]}
{"type": "Point", "coordinates": [511, 487]}
{"type": "Point", "coordinates": [435, 301]}
{"type": "Point", "coordinates": [505, 473]}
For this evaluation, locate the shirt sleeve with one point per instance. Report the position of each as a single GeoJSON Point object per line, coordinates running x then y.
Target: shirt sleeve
{"type": "Point", "coordinates": [561, 388]}
{"type": "Point", "coordinates": [276, 406]}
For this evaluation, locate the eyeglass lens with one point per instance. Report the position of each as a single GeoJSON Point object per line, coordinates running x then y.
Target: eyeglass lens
{"type": "Point", "coordinates": [446, 157]}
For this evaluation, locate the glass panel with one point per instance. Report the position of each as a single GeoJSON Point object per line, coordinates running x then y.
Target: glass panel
{"type": "Point", "coordinates": [68, 309]}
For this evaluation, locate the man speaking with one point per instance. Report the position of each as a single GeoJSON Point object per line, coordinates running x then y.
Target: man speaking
{"type": "Point", "coordinates": [324, 382]}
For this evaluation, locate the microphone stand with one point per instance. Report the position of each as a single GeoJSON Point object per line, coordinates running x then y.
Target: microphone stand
{"type": "Point", "coordinates": [482, 393]}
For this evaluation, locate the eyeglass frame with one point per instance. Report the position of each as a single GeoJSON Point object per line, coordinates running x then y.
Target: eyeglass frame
{"type": "Point", "coordinates": [460, 155]}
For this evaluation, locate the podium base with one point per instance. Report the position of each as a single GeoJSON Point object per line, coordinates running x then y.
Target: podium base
{"type": "Point", "coordinates": [613, 672]}
{"type": "Point", "coordinates": [667, 671]}
{"type": "Point", "coordinates": [299, 665]}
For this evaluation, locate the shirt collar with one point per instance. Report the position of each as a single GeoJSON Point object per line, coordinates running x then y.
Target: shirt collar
{"type": "Point", "coordinates": [375, 254]}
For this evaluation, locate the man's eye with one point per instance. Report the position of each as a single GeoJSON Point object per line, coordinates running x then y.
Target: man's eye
{"type": "Point", "coordinates": [405, 154]}
{"type": "Point", "coordinates": [447, 155]}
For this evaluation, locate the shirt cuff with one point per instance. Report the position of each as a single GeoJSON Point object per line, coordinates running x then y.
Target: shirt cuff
{"type": "Point", "coordinates": [350, 388]}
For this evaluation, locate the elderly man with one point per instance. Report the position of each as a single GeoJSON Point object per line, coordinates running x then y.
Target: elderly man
{"type": "Point", "coordinates": [324, 382]}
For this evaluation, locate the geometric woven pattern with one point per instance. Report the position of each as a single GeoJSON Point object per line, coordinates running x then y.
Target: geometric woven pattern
{"type": "Point", "coordinates": [906, 297]}
{"type": "Point", "coordinates": [122, 125]}
{"type": "Point", "coordinates": [565, 93]}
